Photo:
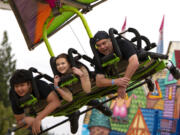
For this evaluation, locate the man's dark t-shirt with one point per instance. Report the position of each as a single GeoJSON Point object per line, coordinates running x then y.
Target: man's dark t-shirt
{"type": "Point", "coordinates": [43, 88]}
{"type": "Point", "coordinates": [127, 49]}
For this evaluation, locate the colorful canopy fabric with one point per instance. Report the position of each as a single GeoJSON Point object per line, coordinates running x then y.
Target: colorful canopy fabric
{"type": "Point", "coordinates": [32, 14]}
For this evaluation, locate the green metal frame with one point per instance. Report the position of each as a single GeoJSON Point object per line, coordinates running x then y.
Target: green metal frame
{"type": "Point", "coordinates": [32, 101]}
{"type": "Point", "coordinates": [73, 80]}
{"type": "Point", "coordinates": [48, 46]}
{"type": "Point", "coordinates": [110, 62]}
{"type": "Point", "coordinates": [82, 98]}
{"type": "Point", "coordinates": [64, 9]}
{"type": "Point", "coordinates": [74, 10]}
{"type": "Point", "coordinates": [159, 65]}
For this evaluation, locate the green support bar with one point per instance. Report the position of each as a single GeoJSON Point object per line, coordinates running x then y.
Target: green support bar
{"type": "Point", "coordinates": [71, 9]}
{"type": "Point", "coordinates": [64, 9]}
{"type": "Point", "coordinates": [45, 36]}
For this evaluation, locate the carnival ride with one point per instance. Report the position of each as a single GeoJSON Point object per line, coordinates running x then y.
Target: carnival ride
{"type": "Point", "coordinates": [48, 18]}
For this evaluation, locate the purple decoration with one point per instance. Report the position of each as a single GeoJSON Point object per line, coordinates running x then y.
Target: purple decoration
{"type": "Point", "coordinates": [170, 77]}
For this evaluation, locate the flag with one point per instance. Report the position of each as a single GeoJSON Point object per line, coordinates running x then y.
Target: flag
{"type": "Point", "coordinates": [160, 42]}
{"type": "Point", "coordinates": [124, 26]}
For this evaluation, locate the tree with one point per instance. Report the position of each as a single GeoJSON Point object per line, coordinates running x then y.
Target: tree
{"type": "Point", "coordinates": [7, 67]}
{"type": "Point", "coordinates": [6, 118]}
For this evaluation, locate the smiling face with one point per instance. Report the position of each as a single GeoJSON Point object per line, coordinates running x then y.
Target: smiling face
{"type": "Point", "coordinates": [104, 46]}
{"type": "Point", "coordinates": [62, 65]}
{"type": "Point", "coordinates": [22, 88]}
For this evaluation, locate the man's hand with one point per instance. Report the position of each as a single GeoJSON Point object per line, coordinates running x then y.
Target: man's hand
{"type": "Point", "coordinates": [122, 82]}
{"type": "Point", "coordinates": [36, 126]}
{"type": "Point", "coordinates": [28, 121]}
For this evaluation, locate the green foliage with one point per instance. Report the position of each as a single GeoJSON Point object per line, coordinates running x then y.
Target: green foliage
{"type": "Point", "coordinates": [6, 118]}
{"type": "Point", "coordinates": [7, 66]}
{"type": "Point", "coordinates": [23, 131]}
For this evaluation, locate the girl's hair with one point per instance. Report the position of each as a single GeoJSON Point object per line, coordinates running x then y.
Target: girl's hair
{"type": "Point", "coordinates": [65, 56]}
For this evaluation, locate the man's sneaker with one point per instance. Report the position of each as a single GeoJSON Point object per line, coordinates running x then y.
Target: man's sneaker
{"type": "Point", "coordinates": [74, 121]}
{"type": "Point", "coordinates": [102, 108]}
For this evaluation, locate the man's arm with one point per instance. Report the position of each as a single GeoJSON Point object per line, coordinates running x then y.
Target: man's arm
{"type": "Point", "coordinates": [23, 120]}
{"type": "Point", "coordinates": [19, 118]}
{"type": "Point", "coordinates": [53, 103]}
{"type": "Point", "coordinates": [132, 66]}
{"type": "Point", "coordinates": [130, 70]}
{"type": "Point", "coordinates": [101, 81]}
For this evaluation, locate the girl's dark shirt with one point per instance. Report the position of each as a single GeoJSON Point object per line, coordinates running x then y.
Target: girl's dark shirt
{"type": "Point", "coordinates": [43, 88]}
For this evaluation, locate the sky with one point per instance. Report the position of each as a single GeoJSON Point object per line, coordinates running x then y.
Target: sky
{"type": "Point", "coordinates": [144, 15]}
